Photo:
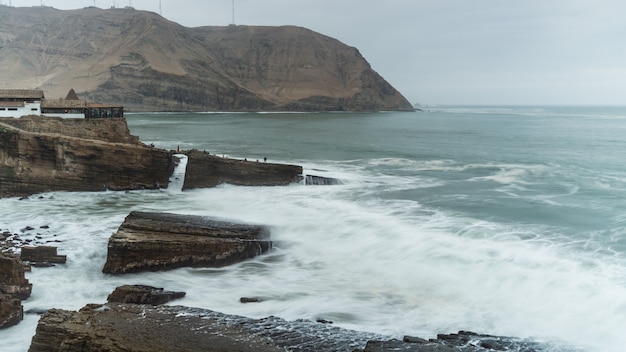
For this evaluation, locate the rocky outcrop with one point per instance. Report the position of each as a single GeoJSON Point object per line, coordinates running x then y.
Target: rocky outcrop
{"type": "Point", "coordinates": [142, 294]}
{"type": "Point", "coordinates": [14, 287]}
{"type": "Point", "coordinates": [42, 255]}
{"type": "Point", "coordinates": [95, 155]}
{"type": "Point", "coordinates": [43, 154]}
{"type": "Point", "coordinates": [147, 63]}
{"type": "Point", "coordinates": [132, 328]}
{"type": "Point", "coordinates": [162, 241]}
{"type": "Point", "coordinates": [206, 170]}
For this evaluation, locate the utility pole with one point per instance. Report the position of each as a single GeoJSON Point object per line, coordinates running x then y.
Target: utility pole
{"type": "Point", "coordinates": [233, 23]}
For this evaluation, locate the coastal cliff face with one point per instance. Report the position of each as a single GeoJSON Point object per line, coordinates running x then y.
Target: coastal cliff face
{"type": "Point", "coordinates": [43, 154]}
{"type": "Point", "coordinates": [102, 156]}
{"type": "Point", "coordinates": [147, 63]}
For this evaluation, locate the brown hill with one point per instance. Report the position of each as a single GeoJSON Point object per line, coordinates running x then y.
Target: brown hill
{"type": "Point", "coordinates": [145, 62]}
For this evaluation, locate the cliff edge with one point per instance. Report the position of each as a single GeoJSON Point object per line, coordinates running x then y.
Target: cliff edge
{"type": "Point", "coordinates": [146, 63]}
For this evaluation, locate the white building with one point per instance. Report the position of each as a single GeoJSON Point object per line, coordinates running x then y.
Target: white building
{"type": "Point", "coordinates": [20, 102]}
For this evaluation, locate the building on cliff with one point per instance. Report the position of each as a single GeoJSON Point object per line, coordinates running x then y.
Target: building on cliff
{"type": "Point", "coordinates": [21, 102]}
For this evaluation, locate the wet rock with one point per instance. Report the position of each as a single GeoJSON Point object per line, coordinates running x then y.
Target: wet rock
{"type": "Point", "coordinates": [397, 345]}
{"type": "Point", "coordinates": [124, 327]}
{"type": "Point", "coordinates": [251, 299]}
{"type": "Point", "coordinates": [206, 170]}
{"type": "Point", "coordinates": [11, 311]}
{"type": "Point", "coordinates": [12, 279]}
{"type": "Point", "coordinates": [13, 288]}
{"type": "Point", "coordinates": [162, 241]}
{"type": "Point", "coordinates": [142, 294]}
{"type": "Point", "coordinates": [321, 181]}
{"type": "Point", "coordinates": [42, 256]}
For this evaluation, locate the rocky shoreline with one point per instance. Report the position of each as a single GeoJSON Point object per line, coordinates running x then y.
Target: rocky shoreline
{"type": "Point", "coordinates": [144, 327]}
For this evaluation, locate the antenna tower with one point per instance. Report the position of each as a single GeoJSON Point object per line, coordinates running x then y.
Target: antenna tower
{"type": "Point", "coordinates": [130, 3]}
{"type": "Point", "coordinates": [160, 11]}
{"type": "Point", "coordinates": [233, 12]}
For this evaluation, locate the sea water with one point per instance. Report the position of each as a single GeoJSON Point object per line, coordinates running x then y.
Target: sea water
{"type": "Point", "coordinates": [499, 220]}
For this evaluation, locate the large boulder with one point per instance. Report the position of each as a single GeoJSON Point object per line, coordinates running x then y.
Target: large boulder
{"type": "Point", "coordinates": [162, 241]}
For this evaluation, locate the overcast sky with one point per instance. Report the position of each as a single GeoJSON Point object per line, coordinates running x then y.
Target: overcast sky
{"type": "Point", "coordinates": [496, 52]}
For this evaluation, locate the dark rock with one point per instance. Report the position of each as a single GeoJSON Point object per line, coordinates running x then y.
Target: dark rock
{"type": "Point", "coordinates": [42, 255]}
{"type": "Point", "coordinates": [205, 170]}
{"type": "Point", "coordinates": [44, 227]}
{"type": "Point", "coordinates": [11, 311]}
{"type": "Point", "coordinates": [323, 321]}
{"type": "Point", "coordinates": [250, 299]}
{"type": "Point", "coordinates": [121, 327]}
{"type": "Point", "coordinates": [412, 339]}
{"type": "Point", "coordinates": [162, 241]}
{"type": "Point", "coordinates": [13, 288]}
{"type": "Point", "coordinates": [321, 181]}
{"type": "Point", "coordinates": [27, 228]}
{"type": "Point", "coordinates": [12, 279]}
{"type": "Point", "coordinates": [397, 345]}
{"type": "Point", "coordinates": [142, 294]}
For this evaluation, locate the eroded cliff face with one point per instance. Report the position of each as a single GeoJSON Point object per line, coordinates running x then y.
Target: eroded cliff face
{"type": "Point", "coordinates": [52, 154]}
{"type": "Point", "coordinates": [43, 154]}
{"type": "Point", "coordinates": [147, 63]}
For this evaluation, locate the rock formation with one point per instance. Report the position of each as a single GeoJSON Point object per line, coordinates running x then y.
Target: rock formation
{"type": "Point", "coordinates": [205, 170]}
{"type": "Point", "coordinates": [147, 63]}
{"type": "Point", "coordinates": [129, 328]}
{"type": "Point", "coordinates": [142, 294]}
{"type": "Point", "coordinates": [42, 255]}
{"type": "Point", "coordinates": [51, 154]}
{"type": "Point", "coordinates": [161, 241]}
{"type": "Point", "coordinates": [14, 288]}
{"type": "Point", "coordinates": [133, 328]}
{"type": "Point", "coordinates": [43, 154]}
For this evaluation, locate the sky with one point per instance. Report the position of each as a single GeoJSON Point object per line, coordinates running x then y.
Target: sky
{"type": "Point", "coordinates": [446, 52]}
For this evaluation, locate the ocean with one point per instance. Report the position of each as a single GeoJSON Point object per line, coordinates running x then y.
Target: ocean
{"type": "Point", "coordinates": [500, 220]}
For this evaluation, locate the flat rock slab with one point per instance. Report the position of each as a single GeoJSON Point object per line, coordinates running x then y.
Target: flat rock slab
{"type": "Point", "coordinates": [162, 241]}
{"type": "Point", "coordinates": [142, 294]}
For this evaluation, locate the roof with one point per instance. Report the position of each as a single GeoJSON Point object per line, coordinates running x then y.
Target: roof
{"type": "Point", "coordinates": [22, 93]}
{"type": "Point", "coordinates": [63, 103]}
{"type": "Point", "coordinates": [11, 104]}
{"type": "Point", "coordinates": [71, 95]}
{"type": "Point", "coordinates": [103, 106]}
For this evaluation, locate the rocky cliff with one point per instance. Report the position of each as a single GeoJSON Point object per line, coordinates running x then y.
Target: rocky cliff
{"type": "Point", "coordinates": [42, 154]}
{"type": "Point", "coordinates": [96, 155]}
{"type": "Point", "coordinates": [147, 63]}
